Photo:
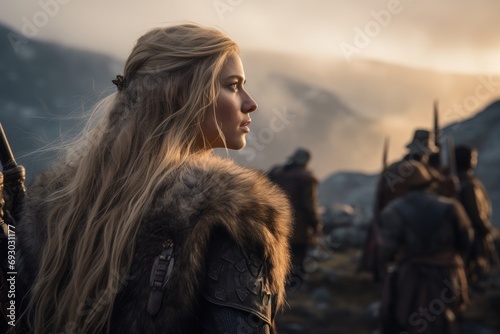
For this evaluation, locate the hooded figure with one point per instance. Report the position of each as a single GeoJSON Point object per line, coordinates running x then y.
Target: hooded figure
{"type": "Point", "coordinates": [301, 186]}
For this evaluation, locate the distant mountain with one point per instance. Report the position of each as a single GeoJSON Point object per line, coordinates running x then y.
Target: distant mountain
{"type": "Point", "coordinates": [44, 90]}
{"type": "Point", "coordinates": [356, 189]}
{"type": "Point", "coordinates": [481, 131]}
{"type": "Point", "coordinates": [316, 118]}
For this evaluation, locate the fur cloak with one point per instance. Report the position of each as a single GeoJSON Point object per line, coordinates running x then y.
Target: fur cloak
{"type": "Point", "coordinates": [207, 192]}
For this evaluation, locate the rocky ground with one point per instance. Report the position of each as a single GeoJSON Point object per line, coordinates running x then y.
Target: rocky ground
{"type": "Point", "coordinates": [333, 297]}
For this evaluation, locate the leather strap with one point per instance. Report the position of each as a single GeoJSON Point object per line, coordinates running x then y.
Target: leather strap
{"type": "Point", "coordinates": [160, 274]}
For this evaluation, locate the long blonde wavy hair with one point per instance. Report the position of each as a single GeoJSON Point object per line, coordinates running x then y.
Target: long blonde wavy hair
{"type": "Point", "coordinates": [138, 135]}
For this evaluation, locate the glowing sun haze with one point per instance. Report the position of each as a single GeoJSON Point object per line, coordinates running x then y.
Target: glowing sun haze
{"type": "Point", "coordinates": [448, 35]}
{"type": "Point", "coordinates": [349, 52]}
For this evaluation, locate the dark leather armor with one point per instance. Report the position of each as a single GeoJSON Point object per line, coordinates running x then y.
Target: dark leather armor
{"type": "Point", "coordinates": [236, 289]}
{"type": "Point", "coordinates": [429, 224]}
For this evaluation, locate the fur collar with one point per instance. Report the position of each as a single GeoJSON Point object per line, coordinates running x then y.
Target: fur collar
{"type": "Point", "coordinates": [208, 192]}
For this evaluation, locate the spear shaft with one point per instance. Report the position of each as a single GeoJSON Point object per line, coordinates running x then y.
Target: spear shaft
{"type": "Point", "coordinates": [385, 153]}
{"type": "Point", "coordinates": [6, 156]}
{"type": "Point", "coordinates": [437, 132]}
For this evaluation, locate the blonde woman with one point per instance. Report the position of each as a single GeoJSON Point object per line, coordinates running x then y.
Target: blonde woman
{"type": "Point", "coordinates": [140, 228]}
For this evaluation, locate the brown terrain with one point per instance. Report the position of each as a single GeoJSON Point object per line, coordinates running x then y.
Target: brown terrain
{"type": "Point", "coordinates": [334, 297]}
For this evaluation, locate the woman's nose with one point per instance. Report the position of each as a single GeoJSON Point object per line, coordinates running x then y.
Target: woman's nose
{"type": "Point", "coordinates": [249, 105]}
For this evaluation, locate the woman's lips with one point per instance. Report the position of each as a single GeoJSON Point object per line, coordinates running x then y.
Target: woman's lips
{"type": "Point", "coordinates": [244, 126]}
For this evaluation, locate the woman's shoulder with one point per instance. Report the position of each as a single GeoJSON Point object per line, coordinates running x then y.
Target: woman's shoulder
{"type": "Point", "coordinates": [209, 191]}
{"type": "Point", "coordinates": [210, 182]}
{"type": "Point", "coordinates": [207, 194]}
{"type": "Point", "coordinates": [226, 171]}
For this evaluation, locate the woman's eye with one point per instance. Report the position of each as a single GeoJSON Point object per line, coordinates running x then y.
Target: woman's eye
{"type": "Point", "coordinates": [234, 86]}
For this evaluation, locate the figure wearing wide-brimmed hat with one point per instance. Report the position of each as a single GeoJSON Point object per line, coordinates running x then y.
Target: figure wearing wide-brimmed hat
{"type": "Point", "coordinates": [422, 145]}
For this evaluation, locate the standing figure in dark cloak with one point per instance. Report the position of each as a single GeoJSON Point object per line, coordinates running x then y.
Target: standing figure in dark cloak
{"type": "Point", "coordinates": [301, 186]}
{"type": "Point", "coordinates": [425, 237]}
{"type": "Point", "coordinates": [388, 188]}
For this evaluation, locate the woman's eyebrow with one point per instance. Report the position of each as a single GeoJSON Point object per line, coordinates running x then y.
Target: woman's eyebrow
{"type": "Point", "coordinates": [236, 76]}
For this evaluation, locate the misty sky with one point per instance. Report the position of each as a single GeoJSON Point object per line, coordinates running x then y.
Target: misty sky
{"type": "Point", "coordinates": [447, 35]}
{"type": "Point", "coordinates": [453, 36]}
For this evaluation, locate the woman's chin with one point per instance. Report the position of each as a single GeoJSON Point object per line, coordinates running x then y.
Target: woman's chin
{"type": "Point", "coordinates": [237, 144]}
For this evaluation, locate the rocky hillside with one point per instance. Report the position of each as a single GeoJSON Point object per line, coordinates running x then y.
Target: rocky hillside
{"type": "Point", "coordinates": [483, 132]}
